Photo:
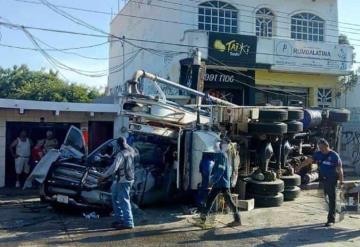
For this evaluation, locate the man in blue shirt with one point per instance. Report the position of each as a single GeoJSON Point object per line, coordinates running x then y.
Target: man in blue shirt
{"type": "Point", "coordinates": [330, 172]}
{"type": "Point", "coordinates": [220, 183]}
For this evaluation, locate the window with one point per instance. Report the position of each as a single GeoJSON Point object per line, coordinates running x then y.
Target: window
{"type": "Point", "coordinates": [325, 97]}
{"type": "Point", "coordinates": [218, 16]}
{"type": "Point", "coordinates": [264, 22]}
{"type": "Point", "coordinates": [306, 26]}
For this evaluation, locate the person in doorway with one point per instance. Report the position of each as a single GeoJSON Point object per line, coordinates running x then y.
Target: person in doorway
{"type": "Point", "coordinates": [36, 153]}
{"type": "Point", "coordinates": [220, 183]}
{"type": "Point", "coordinates": [50, 142]}
{"type": "Point", "coordinates": [330, 172]}
{"type": "Point", "coordinates": [170, 160]}
{"type": "Point", "coordinates": [20, 149]}
{"type": "Point", "coordinates": [122, 173]}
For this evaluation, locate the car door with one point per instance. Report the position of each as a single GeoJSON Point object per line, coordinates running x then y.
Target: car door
{"type": "Point", "coordinates": [74, 144]}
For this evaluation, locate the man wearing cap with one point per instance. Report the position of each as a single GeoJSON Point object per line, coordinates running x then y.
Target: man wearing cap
{"type": "Point", "coordinates": [122, 173]}
{"type": "Point", "coordinates": [220, 183]}
{"type": "Point", "coordinates": [330, 172]}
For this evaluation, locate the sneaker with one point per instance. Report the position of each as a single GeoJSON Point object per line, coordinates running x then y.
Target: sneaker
{"type": "Point", "coordinates": [122, 227]}
{"type": "Point", "coordinates": [115, 224]}
{"type": "Point", "coordinates": [235, 223]}
{"type": "Point", "coordinates": [329, 224]}
{"type": "Point", "coordinates": [17, 184]}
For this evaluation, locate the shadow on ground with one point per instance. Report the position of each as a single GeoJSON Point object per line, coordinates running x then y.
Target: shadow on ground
{"type": "Point", "coordinates": [288, 236]}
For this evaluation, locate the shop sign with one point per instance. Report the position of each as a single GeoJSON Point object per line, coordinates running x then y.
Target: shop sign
{"type": "Point", "coordinates": [232, 49]}
{"type": "Point", "coordinates": [302, 56]}
{"type": "Point", "coordinates": [220, 78]}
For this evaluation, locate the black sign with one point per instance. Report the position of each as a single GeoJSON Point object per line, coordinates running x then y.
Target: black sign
{"type": "Point", "coordinates": [232, 50]}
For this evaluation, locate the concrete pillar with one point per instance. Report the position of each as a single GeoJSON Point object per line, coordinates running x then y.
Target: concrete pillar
{"type": "Point", "coordinates": [313, 100]}
{"type": "Point", "coordinates": [2, 152]}
{"type": "Point", "coordinates": [121, 126]}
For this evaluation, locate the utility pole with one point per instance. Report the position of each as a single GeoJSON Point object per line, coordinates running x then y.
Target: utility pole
{"type": "Point", "coordinates": [198, 74]}
{"type": "Point", "coordinates": [123, 56]}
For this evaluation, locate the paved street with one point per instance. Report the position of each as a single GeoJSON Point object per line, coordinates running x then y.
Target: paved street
{"type": "Point", "coordinates": [25, 222]}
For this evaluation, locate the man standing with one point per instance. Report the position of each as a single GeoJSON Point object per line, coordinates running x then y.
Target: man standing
{"type": "Point", "coordinates": [330, 172]}
{"type": "Point", "coordinates": [20, 149]}
{"type": "Point", "coordinates": [122, 172]}
{"type": "Point", "coordinates": [220, 183]}
{"type": "Point", "coordinates": [50, 142]}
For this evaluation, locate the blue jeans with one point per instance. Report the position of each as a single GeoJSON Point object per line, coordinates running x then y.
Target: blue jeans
{"type": "Point", "coordinates": [121, 203]}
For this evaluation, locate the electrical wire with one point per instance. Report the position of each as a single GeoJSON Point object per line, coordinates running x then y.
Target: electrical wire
{"type": "Point", "coordinates": [127, 40]}
{"type": "Point", "coordinates": [56, 63]}
{"type": "Point", "coordinates": [194, 12]}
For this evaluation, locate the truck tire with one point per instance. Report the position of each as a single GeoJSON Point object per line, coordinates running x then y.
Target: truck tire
{"type": "Point", "coordinates": [293, 180]}
{"type": "Point", "coordinates": [339, 115]}
{"type": "Point", "coordinates": [295, 127]}
{"type": "Point", "coordinates": [267, 200]}
{"type": "Point", "coordinates": [296, 115]}
{"type": "Point", "coordinates": [291, 193]}
{"type": "Point", "coordinates": [267, 128]}
{"type": "Point", "coordinates": [264, 188]}
{"type": "Point", "coordinates": [273, 115]}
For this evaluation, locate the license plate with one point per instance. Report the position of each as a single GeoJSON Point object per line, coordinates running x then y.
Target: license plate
{"type": "Point", "coordinates": [62, 199]}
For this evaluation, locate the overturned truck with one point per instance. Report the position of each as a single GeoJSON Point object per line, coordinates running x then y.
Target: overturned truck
{"type": "Point", "coordinates": [171, 140]}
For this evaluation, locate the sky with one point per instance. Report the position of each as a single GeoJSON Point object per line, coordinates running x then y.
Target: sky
{"type": "Point", "coordinates": [23, 13]}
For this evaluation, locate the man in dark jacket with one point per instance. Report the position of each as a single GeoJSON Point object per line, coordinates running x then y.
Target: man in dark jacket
{"type": "Point", "coordinates": [220, 183]}
{"type": "Point", "coordinates": [122, 172]}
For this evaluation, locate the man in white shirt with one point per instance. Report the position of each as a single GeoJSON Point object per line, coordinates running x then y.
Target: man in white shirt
{"type": "Point", "coordinates": [20, 149]}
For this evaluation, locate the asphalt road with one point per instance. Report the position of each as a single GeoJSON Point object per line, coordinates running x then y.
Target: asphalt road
{"type": "Point", "coordinates": [26, 222]}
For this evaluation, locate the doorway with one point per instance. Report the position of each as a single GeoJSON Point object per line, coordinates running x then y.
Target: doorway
{"type": "Point", "coordinates": [36, 132]}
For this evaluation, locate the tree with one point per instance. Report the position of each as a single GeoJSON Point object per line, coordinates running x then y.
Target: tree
{"type": "Point", "coordinates": [22, 83]}
{"type": "Point", "coordinates": [343, 40]}
{"type": "Point", "coordinates": [350, 81]}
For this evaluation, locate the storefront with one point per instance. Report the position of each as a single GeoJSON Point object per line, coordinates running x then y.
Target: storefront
{"type": "Point", "coordinates": [311, 89]}
{"type": "Point", "coordinates": [230, 64]}
{"type": "Point", "coordinates": [230, 68]}
{"type": "Point", "coordinates": [97, 122]}
{"type": "Point", "coordinates": [301, 71]}
{"type": "Point", "coordinates": [230, 85]}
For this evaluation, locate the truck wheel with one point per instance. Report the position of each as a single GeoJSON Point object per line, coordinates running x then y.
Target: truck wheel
{"type": "Point", "coordinates": [273, 115]}
{"type": "Point", "coordinates": [294, 127]}
{"type": "Point", "coordinates": [291, 193]}
{"type": "Point", "coordinates": [264, 188]}
{"type": "Point", "coordinates": [267, 128]}
{"type": "Point", "coordinates": [267, 201]}
{"type": "Point", "coordinates": [289, 181]}
{"type": "Point", "coordinates": [339, 115]}
{"type": "Point", "coordinates": [296, 115]}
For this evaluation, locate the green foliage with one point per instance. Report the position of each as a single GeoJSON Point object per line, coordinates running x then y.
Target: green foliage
{"type": "Point", "coordinates": [21, 83]}
{"type": "Point", "coordinates": [350, 81]}
{"type": "Point", "coordinates": [343, 40]}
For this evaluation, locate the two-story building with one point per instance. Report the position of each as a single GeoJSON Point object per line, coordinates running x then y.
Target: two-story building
{"type": "Point", "coordinates": [255, 51]}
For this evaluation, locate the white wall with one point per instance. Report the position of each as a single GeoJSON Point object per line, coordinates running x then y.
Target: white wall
{"type": "Point", "coordinates": [168, 66]}
{"type": "Point", "coordinates": [351, 98]}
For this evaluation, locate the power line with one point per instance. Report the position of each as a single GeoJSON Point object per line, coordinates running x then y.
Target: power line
{"type": "Point", "coordinates": [254, 8]}
{"type": "Point", "coordinates": [193, 12]}
{"type": "Point", "coordinates": [127, 40]}
{"type": "Point", "coordinates": [53, 61]}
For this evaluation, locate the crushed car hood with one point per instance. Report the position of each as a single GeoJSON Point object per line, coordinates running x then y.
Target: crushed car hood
{"type": "Point", "coordinates": [42, 168]}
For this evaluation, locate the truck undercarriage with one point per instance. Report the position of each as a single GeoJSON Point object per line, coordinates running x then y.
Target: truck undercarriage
{"type": "Point", "coordinates": [268, 144]}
